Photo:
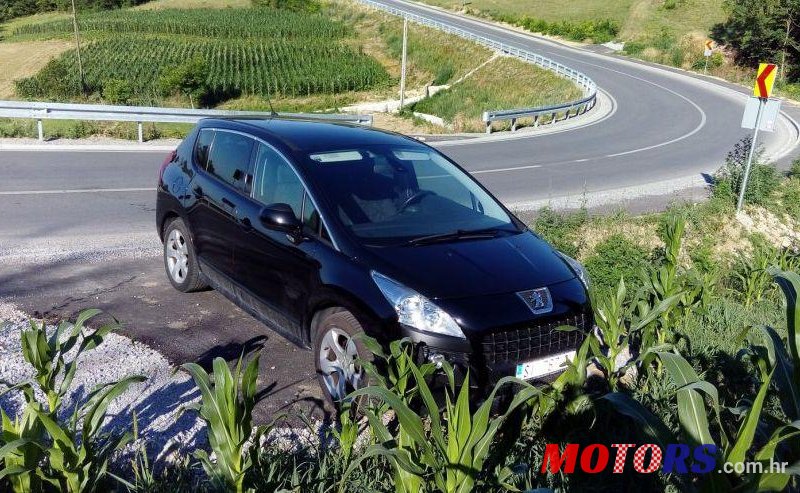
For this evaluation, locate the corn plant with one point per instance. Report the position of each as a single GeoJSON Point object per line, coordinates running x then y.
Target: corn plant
{"type": "Point", "coordinates": [20, 455]}
{"type": "Point", "coordinates": [47, 354]}
{"type": "Point", "coordinates": [751, 276]}
{"type": "Point", "coordinates": [448, 450]}
{"type": "Point", "coordinates": [226, 406]}
{"type": "Point", "coordinates": [620, 325]}
{"type": "Point", "coordinates": [39, 450]}
{"type": "Point", "coordinates": [689, 289]}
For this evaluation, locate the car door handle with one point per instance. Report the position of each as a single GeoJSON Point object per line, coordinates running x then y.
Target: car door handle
{"type": "Point", "coordinates": [245, 224]}
{"type": "Point", "coordinates": [228, 203]}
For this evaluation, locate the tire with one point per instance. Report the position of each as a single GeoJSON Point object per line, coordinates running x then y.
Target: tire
{"type": "Point", "coordinates": [337, 335]}
{"type": "Point", "coordinates": [180, 261]}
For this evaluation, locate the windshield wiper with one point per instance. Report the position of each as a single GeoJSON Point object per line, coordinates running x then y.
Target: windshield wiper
{"type": "Point", "coordinates": [460, 234]}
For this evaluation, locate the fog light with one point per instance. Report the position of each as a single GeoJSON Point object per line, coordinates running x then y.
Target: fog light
{"type": "Point", "coordinates": [437, 359]}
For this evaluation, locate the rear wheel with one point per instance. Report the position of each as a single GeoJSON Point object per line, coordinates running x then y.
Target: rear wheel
{"type": "Point", "coordinates": [337, 351]}
{"type": "Point", "coordinates": [180, 260]}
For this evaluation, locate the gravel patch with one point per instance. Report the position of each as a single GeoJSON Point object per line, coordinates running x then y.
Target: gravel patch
{"type": "Point", "coordinates": [168, 433]}
{"type": "Point", "coordinates": [157, 402]}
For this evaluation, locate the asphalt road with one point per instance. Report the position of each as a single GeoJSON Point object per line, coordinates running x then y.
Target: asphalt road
{"type": "Point", "coordinates": [77, 228]}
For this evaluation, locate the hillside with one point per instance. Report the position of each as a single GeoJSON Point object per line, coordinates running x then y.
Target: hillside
{"type": "Point", "coordinates": [635, 20]}
{"type": "Point", "coordinates": [168, 53]}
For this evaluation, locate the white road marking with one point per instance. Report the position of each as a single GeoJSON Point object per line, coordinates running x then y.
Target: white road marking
{"type": "Point", "coordinates": [85, 190]}
{"type": "Point", "coordinates": [498, 170]}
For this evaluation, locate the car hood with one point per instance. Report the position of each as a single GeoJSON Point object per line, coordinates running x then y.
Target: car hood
{"type": "Point", "coordinates": [475, 267]}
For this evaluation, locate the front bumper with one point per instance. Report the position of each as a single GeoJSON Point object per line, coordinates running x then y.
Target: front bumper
{"type": "Point", "coordinates": [491, 355]}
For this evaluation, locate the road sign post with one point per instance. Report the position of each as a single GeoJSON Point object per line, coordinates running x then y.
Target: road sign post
{"type": "Point", "coordinates": [707, 54]}
{"type": "Point", "coordinates": [762, 90]}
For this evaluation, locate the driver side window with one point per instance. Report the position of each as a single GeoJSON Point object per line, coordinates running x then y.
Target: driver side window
{"type": "Point", "coordinates": [275, 180]}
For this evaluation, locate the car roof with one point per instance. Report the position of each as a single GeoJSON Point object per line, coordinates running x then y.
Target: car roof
{"type": "Point", "coordinates": [312, 135]}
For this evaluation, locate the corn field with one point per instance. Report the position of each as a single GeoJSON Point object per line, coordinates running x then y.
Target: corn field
{"type": "Point", "coordinates": [208, 23]}
{"type": "Point", "coordinates": [274, 53]}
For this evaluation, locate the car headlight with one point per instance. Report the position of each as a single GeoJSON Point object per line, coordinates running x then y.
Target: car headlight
{"type": "Point", "coordinates": [579, 269]}
{"type": "Point", "coordinates": [415, 310]}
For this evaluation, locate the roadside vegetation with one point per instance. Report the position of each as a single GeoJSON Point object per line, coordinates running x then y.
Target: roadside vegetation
{"type": "Point", "coordinates": [668, 32]}
{"type": "Point", "coordinates": [502, 83]}
{"type": "Point", "coordinates": [697, 311]}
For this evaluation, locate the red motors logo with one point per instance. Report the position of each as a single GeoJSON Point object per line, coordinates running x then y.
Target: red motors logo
{"type": "Point", "coordinates": [647, 458]}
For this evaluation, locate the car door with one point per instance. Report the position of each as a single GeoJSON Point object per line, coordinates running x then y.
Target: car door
{"type": "Point", "coordinates": [221, 183]}
{"type": "Point", "coordinates": [278, 271]}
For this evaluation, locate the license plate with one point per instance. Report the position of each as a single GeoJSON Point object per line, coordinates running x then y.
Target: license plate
{"type": "Point", "coordinates": [544, 366]}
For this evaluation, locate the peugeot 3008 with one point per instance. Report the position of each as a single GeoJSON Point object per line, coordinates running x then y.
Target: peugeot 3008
{"type": "Point", "coordinates": [323, 231]}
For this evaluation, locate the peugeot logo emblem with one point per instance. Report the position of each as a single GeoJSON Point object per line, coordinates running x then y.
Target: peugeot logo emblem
{"type": "Point", "coordinates": [538, 300]}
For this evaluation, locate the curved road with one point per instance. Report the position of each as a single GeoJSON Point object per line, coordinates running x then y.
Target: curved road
{"type": "Point", "coordinates": [77, 226]}
{"type": "Point", "coordinates": [666, 125]}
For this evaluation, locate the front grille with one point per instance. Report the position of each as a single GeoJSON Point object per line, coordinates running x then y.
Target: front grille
{"type": "Point", "coordinates": [526, 343]}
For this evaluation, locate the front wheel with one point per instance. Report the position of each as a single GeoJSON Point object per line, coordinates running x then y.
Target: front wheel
{"type": "Point", "coordinates": [337, 351]}
{"type": "Point", "coordinates": [180, 260]}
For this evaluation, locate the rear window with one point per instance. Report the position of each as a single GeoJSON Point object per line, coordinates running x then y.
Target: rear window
{"type": "Point", "coordinates": [230, 158]}
{"type": "Point", "coordinates": [202, 146]}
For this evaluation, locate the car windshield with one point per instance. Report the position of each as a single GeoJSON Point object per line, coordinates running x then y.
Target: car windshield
{"type": "Point", "coordinates": [388, 195]}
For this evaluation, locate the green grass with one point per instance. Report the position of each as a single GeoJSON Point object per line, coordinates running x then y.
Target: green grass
{"type": "Point", "coordinates": [72, 129]}
{"type": "Point", "coordinates": [550, 10]}
{"type": "Point", "coordinates": [502, 83]}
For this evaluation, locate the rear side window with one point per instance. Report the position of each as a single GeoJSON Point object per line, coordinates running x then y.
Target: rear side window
{"type": "Point", "coordinates": [202, 146]}
{"type": "Point", "coordinates": [230, 158]}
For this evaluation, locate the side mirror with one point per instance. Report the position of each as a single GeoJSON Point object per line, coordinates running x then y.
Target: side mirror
{"type": "Point", "coordinates": [280, 217]}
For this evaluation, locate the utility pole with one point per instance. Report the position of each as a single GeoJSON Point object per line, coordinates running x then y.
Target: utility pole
{"type": "Point", "coordinates": [402, 65]}
{"type": "Point", "coordinates": [78, 46]}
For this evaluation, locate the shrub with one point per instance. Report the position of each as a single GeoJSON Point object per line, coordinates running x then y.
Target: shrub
{"type": "Point", "coordinates": [761, 184]}
{"type": "Point", "coordinates": [634, 47]}
{"type": "Point", "coordinates": [616, 257]}
{"type": "Point", "coordinates": [443, 74]}
{"type": "Point", "coordinates": [188, 79]}
{"type": "Point", "coordinates": [560, 228]}
{"type": "Point", "coordinates": [117, 91]}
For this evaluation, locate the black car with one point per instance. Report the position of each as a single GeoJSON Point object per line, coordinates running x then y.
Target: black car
{"type": "Point", "coordinates": [325, 230]}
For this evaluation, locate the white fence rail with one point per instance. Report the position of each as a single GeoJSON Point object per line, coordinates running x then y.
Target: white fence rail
{"type": "Point", "coordinates": [568, 109]}
{"type": "Point", "coordinates": [94, 112]}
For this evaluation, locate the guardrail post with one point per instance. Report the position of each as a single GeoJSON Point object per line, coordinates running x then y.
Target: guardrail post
{"type": "Point", "coordinates": [513, 124]}
{"type": "Point", "coordinates": [488, 127]}
{"type": "Point", "coordinates": [141, 133]}
{"type": "Point", "coordinates": [40, 128]}
{"type": "Point", "coordinates": [553, 117]}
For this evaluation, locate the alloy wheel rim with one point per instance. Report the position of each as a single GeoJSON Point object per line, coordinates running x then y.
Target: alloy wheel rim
{"type": "Point", "coordinates": [338, 363]}
{"type": "Point", "coordinates": [177, 256]}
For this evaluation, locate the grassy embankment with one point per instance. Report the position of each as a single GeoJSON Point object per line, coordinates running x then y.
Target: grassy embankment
{"type": "Point", "coordinates": [669, 32]}
{"type": "Point", "coordinates": [345, 54]}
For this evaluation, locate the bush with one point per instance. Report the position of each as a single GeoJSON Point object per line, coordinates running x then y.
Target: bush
{"type": "Point", "coordinates": [763, 180]}
{"type": "Point", "coordinates": [443, 75]}
{"type": "Point", "coordinates": [117, 91]}
{"type": "Point", "coordinates": [634, 47]}
{"type": "Point", "coordinates": [614, 258]}
{"type": "Point", "coordinates": [560, 228]}
{"type": "Point", "coordinates": [188, 79]}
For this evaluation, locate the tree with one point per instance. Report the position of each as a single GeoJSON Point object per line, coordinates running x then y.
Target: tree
{"type": "Point", "coordinates": [763, 31]}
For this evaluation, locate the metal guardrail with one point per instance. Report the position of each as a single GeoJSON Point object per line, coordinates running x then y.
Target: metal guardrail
{"type": "Point", "coordinates": [568, 109]}
{"type": "Point", "coordinates": [140, 114]}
